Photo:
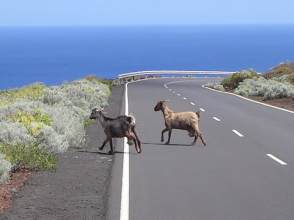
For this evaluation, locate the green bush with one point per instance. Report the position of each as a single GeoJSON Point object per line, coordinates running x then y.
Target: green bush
{"type": "Point", "coordinates": [232, 82]}
{"type": "Point", "coordinates": [31, 157]}
{"type": "Point", "coordinates": [31, 92]}
{"type": "Point", "coordinates": [94, 78]}
{"type": "Point", "coordinates": [291, 78]}
{"type": "Point", "coordinates": [280, 70]}
{"type": "Point", "coordinates": [269, 89]}
{"type": "Point", "coordinates": [33, 122]}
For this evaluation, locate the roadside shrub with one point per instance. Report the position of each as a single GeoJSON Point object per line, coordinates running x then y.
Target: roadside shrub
{"type": "Point", "coordinates": [94, 78]}
{"type": "Point", "coordinates": [232, 82]}
{"type": "Point", "coordinates": [269, 89]}
{"type": "Point", "coordinates": [291, 78]}
{"type": "Point", "coordinates": [29, 156]}
{"type": "Point", "coordinates": [14, 133]}
{"type": "Point", "coordinates": [36, 121]}
{"type": "Point", "coordinates": [5, 167]}
{"type": "Point", "coordinates": [215, 86]}
{"type": "Point", "coordinates": [280, 70]}
{"type": "Point", "coordinates": [31, 92]}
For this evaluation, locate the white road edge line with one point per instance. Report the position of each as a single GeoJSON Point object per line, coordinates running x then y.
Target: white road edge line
{"type": "Point", "coordinates": [277, 159]}
{"type": "Point", "coordinates": [238, 133]}
{"type": "Point", "coordinates": [125, 189]}
{"type": "Point", "coordinates": [250, 100]}
{"type": "Point", "coordinates": [192, 103]}
{"type": "Point", "coordinates": [202, 109]}
{"type": "Point", "coordinates": [215, 118]}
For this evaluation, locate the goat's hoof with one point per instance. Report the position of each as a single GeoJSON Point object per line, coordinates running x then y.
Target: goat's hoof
{"type": "Point", "coordinates": [100, 148]}
{"type": "Point", "coordinates": [167, 143]}
{"type": "Point", "coordinates": [110, 152]}
{"type": "Point", "coordinates": [162, 140]}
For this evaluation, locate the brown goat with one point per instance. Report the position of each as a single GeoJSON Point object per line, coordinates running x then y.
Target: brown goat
{"type": "Point", "coordinates": [188, 121]}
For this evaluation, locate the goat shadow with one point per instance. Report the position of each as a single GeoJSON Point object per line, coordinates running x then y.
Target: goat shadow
{"type": "Point", "coordinates": [104, 153]}
{"type": "Point", "coordinates": [171, 144]}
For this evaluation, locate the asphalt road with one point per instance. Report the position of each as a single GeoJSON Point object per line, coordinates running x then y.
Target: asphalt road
{"type": "Point", "coordinates": [245, 171]}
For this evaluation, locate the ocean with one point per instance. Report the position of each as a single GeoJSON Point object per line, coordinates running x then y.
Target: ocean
{"type": "Point", "coordinates": [56, 54]}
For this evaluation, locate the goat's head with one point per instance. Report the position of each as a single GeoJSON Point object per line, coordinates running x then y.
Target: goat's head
{"type": "Point", "coordinates": [96, 113]}
{"type": "Point", "coordinates": [160, 105]}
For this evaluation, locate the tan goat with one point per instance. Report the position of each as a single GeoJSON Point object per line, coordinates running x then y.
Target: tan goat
{"type": "Point", "coordinates": [188, 121]}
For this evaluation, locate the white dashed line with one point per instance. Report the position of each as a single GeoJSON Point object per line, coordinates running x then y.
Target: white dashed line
{"type": "Point", "coordinates": [202, 109]}
{"type": "Point", "coordinates": [178, 94]}
{"type": "Point", "coordinates": [170, 90]}
{"type": "Point", "coordinates": [215, 118]}
{"type": "Point", "coordinates": [192, 103]}
{"type": "Point", "coordinates": [238, 133]}
{"type": "Point", "coordinates": [277, 159]}
{"type": "Point", "coordinates": [174, 92]}
{"type": "Point", "coordinates": [184, 98]}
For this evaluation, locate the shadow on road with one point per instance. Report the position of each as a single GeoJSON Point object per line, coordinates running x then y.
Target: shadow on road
{"type": "Point", "coordinates": [103, 153]}
{"type": "Point", "coordinates": [162, 144]}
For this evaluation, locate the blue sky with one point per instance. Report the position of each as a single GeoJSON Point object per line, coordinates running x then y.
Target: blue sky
{"type": "Point", "coordinates": [145, 12]}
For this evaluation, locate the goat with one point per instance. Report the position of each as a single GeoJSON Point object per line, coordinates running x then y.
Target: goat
{"type": "Point", "coordinates": [188, 121]}
{"type": "Point", "coordinates": [119, 127]}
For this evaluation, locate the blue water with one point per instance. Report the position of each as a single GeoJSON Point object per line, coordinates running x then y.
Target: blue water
{"type": "Point", "coordinates": [56, 54]}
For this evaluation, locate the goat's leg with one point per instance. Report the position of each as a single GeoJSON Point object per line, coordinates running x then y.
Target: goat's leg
{"type": "Point", "coordinates": [195, 139]}
{"type": "Point", "coordinates": [202, 139]}
{"type": "Point", "coordinates": [198, 133]}
{"type": "Point", "coordinates": [162, 133]}
{"type": "Point", "coordinates": [111, 146]}
{"type": "Point", "coordinates": [104, 142]}
{"type": "Point", "coordinates": [138, 148]}
{"type": "Point", "coordinates": [137, 138]}
{"type": "Point", "coordinates": [169, 135]}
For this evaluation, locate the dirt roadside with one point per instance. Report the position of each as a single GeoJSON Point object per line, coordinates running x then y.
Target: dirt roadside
{"type": "Point", "coordinates": [78, 188]}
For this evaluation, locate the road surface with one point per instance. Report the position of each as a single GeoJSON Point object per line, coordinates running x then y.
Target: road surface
{"type": "Point", "coordinates": [245, 171]}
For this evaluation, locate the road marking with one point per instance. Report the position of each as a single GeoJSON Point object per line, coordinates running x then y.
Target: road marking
{"type": "Point", "coordinates": [178, 94]}
{"type": "Point", "coordinates": [215, 118]}
{"type": "Point", "coordinates": [174, 92]}
{"type": "Point", "coordinates": [238, 133]}
{"type": "Point", "coordinates": [184, 98]}
{"type": "Point", "coordinates": [202, 109]}
{"type": "Point", "coordinates": [125, 189]}
{"type": "Point", "coordinates": [250, 100]}
{"type": "Point", "coordinates": [277, 159]}
{"type": "Point", "coordinates": [165, 86]}
{"type": "Point", "coordinates": [192, 103]}
{"type": "Point", "coordinates": [170, 90]}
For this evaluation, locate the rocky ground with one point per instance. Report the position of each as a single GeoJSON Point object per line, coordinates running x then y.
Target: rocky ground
{"type": "Point", "coordinates": [77, 189]}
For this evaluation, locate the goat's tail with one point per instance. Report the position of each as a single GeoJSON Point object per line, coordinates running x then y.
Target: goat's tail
{"type": "Point", "coordinates": [198, 114]}
{"type": "Point", "coordinates": [132, 119]}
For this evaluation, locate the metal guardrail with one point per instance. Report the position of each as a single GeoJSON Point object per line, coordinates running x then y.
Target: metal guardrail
{"type": "Point", "coordinates": [173, 72]}
{"type": "Point", "coordinates": [132, 76]}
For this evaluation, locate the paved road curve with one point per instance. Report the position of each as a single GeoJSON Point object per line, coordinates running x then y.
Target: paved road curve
{"type": "Point", "coordinates": [245, 172]}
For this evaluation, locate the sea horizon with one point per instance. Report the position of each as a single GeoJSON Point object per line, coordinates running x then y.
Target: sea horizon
{"type": "Point", "coordinates": [54, 54]}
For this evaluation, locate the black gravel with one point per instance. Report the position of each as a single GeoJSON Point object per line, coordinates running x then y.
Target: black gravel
{"type": "Point", "coordinates": [78, 189]}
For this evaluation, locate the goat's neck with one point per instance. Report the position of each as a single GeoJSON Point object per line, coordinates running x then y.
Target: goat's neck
{"type": "Point", "coordinates": [166, 111]}
{"type": "Point", "coordinates": [102, 120]}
